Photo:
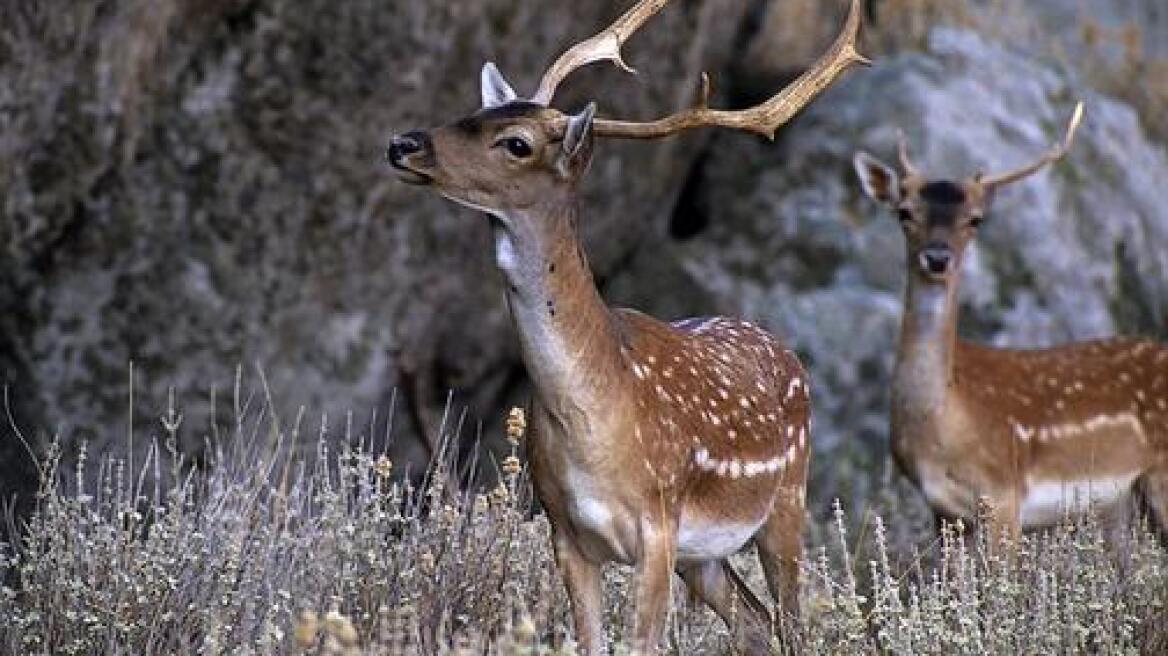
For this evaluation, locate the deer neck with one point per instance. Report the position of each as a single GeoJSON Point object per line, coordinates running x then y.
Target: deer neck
{"type": "Point", "coordinates": [568, 340]}
{"type": "Point", "coordinates": [924, 366]}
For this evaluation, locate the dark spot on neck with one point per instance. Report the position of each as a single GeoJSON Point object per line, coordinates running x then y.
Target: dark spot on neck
{"type": "Point", "coordinates": [551, 306]}
{"type": "Point", "coordinates": [552, 267]}
{"type": "Point", "coordinates": [943, 192]}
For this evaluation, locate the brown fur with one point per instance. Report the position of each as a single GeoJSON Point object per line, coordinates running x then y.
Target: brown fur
{"type": "Point", "coordinates": [667, 447]}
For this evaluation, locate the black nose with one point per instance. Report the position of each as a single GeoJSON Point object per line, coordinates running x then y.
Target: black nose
{"type": "Point", "coordinates": [936, 259]}
{"type": "Point", "coordinates": [407, 144]}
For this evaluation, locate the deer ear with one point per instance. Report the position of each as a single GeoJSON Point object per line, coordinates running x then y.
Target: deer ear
{"type": "Point", "coordinates": [877, 178]}
{"type": "Point", "coordinates": [576, 147]}
{"type": "Point", "coordinates": [495, 90]}
{"type": "Point", "coordinates": [579, 130]}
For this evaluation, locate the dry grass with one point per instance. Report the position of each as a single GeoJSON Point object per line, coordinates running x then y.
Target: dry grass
{"type": "Point", "coordinates": [339, 553]}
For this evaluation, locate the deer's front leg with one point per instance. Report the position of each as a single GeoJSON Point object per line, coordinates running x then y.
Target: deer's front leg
{"type": "Point", "coordinates": [582, 578]}
{"type": "Point", "coordinates": [653, 577]}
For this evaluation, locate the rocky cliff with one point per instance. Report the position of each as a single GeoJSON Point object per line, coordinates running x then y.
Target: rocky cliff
{"type": "Point", "coordinates": [196, 187]}
{"type": "Point", "coordinates": [788, 238]}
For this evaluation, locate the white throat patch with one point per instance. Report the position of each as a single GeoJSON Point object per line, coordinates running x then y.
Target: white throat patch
{"type": "Point", "coordinates": [505, 257]}
{"type": "Point", "coordinates": [929, 306]}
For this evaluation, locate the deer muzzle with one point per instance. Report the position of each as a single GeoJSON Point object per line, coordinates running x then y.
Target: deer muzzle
{"type": "Point", "coordinates": [935, 260]}
{"type": "Point", "coordinates": [411, 154]}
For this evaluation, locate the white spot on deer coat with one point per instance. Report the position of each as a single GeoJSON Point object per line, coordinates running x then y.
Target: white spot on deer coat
{"type": "Point", "coordinates": [1124, 422]}
{"type": "Point", "coordinates": [793, 386]}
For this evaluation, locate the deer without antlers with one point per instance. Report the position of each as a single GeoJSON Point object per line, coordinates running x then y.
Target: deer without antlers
{"type": "Point", "coordinates": [664, 446]}
{"type": "Point", "coordinates": [1039, 434]}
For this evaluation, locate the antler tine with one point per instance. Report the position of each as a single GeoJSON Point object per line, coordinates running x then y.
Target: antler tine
{"type": "Point", "coordinates": [906, 165]}
{"type": "Point", "coordinates": [605, 44]}
{"type": "Point", "coordinates": [1053, 155]}
{"type": "Point", "coordinates": [761, 119]}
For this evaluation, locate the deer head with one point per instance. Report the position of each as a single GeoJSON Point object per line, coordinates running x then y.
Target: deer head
{"type": "Point", "coordinates": [508, 156]}
{"type": "Point", "coordinates": [940, 217]}
{"type": "Point", "coordinates": [514, 153]}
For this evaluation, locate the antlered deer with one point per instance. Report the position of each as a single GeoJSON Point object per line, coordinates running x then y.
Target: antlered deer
{"type": "Point", "coordinates": [664, 446]}
{"type": "Point", "coordinates": [1038, 434]}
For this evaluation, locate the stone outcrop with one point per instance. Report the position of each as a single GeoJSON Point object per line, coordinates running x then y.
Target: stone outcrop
{"type": "Point", "coordinates": [1074, 252]}
{"type": "Point", "coordinates": [196, 187]}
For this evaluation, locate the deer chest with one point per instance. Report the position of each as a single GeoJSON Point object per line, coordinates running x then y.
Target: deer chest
{"type": "Point", "coordinates": [947, 490]}
{"type": "Point", "coordinates": [583, 504]}
{"type": "Point", "coordinates": [604, 527]}
{"type": "Point", "coordinates": [946, 470]}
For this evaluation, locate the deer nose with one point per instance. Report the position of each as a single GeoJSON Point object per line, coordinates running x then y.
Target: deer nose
{"type": "Point", "coordinates": [935, 259]}
{"type": "Point", "coordinates": [407, 144]}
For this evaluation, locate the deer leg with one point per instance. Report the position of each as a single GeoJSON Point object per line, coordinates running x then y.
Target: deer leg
{"type": "Point", "coordinates": [652, 585]}
{"type": "Point", "coordinates": [716, 583]}
{"type": "Point", "coordinates": [1116, 519]}
{"type": "Point", "coordinates": [582, 578]}
{"type": "Point", "coordinates": [1153, 491]}
{"type": "Point", "coordinates": [780, 547]}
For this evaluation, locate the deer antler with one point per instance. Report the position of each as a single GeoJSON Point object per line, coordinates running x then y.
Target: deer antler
{"type": "Point", "coordinates": [761, 119]}
{"type": "Point", "coordinates": [906, 165]}
{"type": "Point", "coordinates": [606, 44]}
{"type": "Point", "coordinates": [1053, 155]}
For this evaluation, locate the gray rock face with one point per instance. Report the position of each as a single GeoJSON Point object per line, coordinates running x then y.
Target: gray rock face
{"type": "Point", "coordinates": [1079, 250]}
{"type": "Point", "coordinates": [193, 186]}
{"type": "Point", "coordinates": [196, 186]}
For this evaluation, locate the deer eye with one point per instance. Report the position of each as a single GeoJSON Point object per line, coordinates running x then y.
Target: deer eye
{"type": "Point", "coordinates": [904, 215]}
{"type": "Point", "coordinates": [516, 147]}
{"type": "Point", "coordinates": [975, 221]}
